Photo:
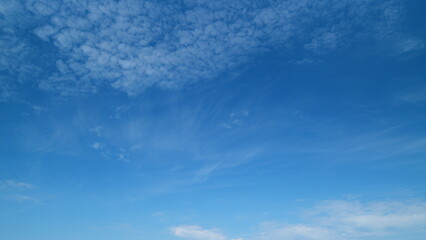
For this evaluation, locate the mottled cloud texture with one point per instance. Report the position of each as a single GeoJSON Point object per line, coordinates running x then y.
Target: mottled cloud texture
{"type": "Point", "coordinates": [80, 46]}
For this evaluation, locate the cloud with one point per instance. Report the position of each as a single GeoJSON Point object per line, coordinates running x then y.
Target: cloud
{"type": "Point", "coordinates": [416, 96]}
{"type": "Point", "coordinates": [296, 232]}
{"type": "Point", "coordinates": [342, 220]}
{"type": "Point", "coordinates": [16, 191]}
{"type": "Point", "coordinates": [122, 158]}
{"type": "Point", "coordinates": [15, 185]}
{"type": "Point", "coordinates": [373, 219]}
{"type": "Point", "coordinates": [131, 45]}
{"type": "Point", "coordinates": [235, 119]}
{"type": "Point", "coordinates": [22, 198]}
{"type": "Point", "coordinates": [7, 90]}
{"type": "Point", "coordinates": [196, 232]}
{"type": "Point", "coordinates": [408, 45]}
{"type": "Point", "coordinates": [97, 145]}
{"type": "Point", "coordinates": [337, 220]}
{"type": "Point", "coordinates": [213, 165]}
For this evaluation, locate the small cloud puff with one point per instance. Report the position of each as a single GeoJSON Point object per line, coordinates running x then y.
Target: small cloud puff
{"type": "Point", "coordinates": [97, 145]}
{"type": "Point", "coordinates": [235, 119]}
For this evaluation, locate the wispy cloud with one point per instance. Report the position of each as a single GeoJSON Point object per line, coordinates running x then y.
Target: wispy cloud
{"type": "Point", "coordinates": [235, 119]}
{"type": "Point", "coordinates": [15, 184]}
{"type": "Point", "coordinates": [409, 45]}
{"type": "Point", "coordinates": [353, 220]}
{"type": "Point", "coordinates": [97, 145]}
{"type": "Point", "coordinates": [414, 96]}
{"type": "Point", "coordinates": [22, 198]}
{"type": "Point", "coordinates": [16, 191]}
{"type": "Point", "coordinates": [131, 45]}
{"type": "Point", "coordinates": [196, 232]}
{"type": "Point", "coordinates": [295, 232]}
{"type": "Point", "coordinates": [337, 220]}
{"type": "Point", "coordinates": [214, 165]}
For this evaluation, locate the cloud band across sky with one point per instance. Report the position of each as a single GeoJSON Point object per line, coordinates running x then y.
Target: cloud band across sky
{"type": "Point", "coordinates": [81, 46]}
{"type": "Point", "coordinates": [336, 220]}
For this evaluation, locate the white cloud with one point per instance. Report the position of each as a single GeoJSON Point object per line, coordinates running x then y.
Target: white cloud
{"type": "Point", "coordinates": [235, 119]}
{"type": "Point", "coordinates": [215, 163]}
{"type": "Point", "coordinates": [16, 191]}
{"type": "Point", "coordinates": [99, 131]}
{"type": "Point", "coordinates": [41, 7]}
{"type": "Point", "coordinates": [337, 220]}
{"type": "Point", "coordinates": [372, 219]}
{"type": "Point", "coordinates": [7, 90]}
{"type": "Point", "coordinates": [325, 39]}
{"type": "Point", "coordinates": [21, 198]}
{"type": "Point", "coordinates": [296, 232]}
{"type": "Point", "coordinates": [345, 220]}
{"type": "Point", "coordinates": [122, 158]}
{"type": "Point", "coordinates": [408, 45]}
{"type": "Point", "coordinates": [416, 96]}
{"type": "Point", "coordinates": [196, 232]}
{"type": "Point", "coordinates": [97, 145]}
{"type": "Point", "coordinates": [131, 45]}
{"type": "Point", "coordinates": [15, 184]}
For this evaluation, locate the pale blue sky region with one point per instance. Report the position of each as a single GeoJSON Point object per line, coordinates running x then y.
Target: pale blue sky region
{"type": "Point", "coordinates": [212, 120]}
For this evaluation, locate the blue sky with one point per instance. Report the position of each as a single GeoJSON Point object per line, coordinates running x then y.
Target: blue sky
{"type": "Point", "coordinates": [212, 120]}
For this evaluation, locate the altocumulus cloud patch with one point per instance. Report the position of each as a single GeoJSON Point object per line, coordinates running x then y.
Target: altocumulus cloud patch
{"type": "Point", "coordinates": [79, 46]}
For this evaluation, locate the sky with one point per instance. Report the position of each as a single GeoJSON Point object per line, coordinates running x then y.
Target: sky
{"type": "Point", "coordinates": [212, 120]}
